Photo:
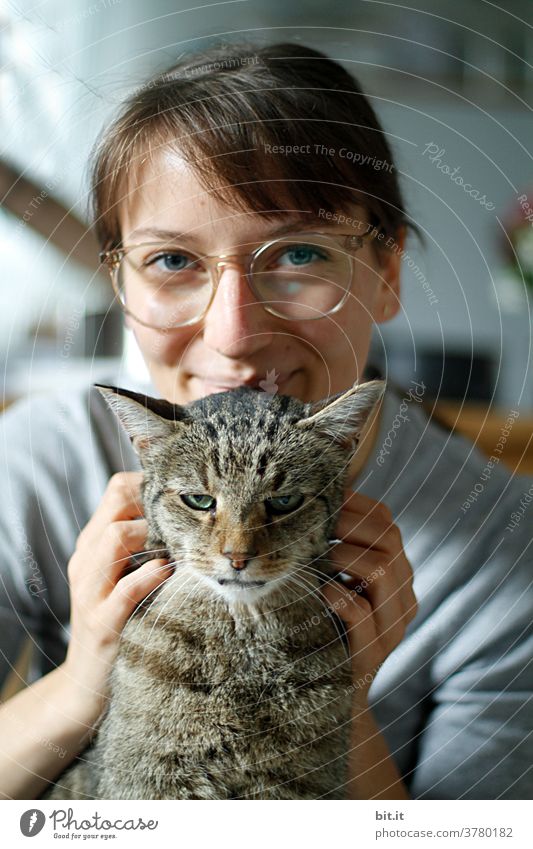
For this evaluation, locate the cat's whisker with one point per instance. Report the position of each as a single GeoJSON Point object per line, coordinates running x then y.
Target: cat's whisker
{"type": "Point", "coordinates": [157, 550]}
{"type": "Point", "coordinates": [167, 601]}
{"type": "Point", "coordinates": [328, 561]}
{"type": "Point", "coordinates": [330, 613]}
{"type": "Point", "coordinates": [326, 577]}
{"type": "Point", "coordinates": [137, 556]}
{"type": "Point", "coordinates": [300, 583]}
{"type": "Point", "coordinates": [319, 573]}
{"type": "Point", "coordinates": [155, 590]}
{"type": "Point", "coordinates": [138, 622]}
{"type": "Point", "coordinates": [132, 614]}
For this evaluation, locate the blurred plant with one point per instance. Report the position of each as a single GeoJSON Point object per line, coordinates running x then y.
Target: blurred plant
{"type": "Point", "coordinates": [518, 247]}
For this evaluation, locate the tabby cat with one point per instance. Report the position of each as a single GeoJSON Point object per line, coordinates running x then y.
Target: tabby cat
{"type": "Point", "coordinates": [233, 680]}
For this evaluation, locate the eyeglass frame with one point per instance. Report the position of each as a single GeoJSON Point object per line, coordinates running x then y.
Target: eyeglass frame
{"type": "Point", "coordinates": [113, 257]}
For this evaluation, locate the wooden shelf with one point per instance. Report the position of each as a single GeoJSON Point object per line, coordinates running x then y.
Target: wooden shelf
{"type": "Point", "coordinates": [494, 431]}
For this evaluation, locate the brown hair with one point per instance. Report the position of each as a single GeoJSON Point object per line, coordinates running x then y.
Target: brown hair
{"type": "Point", "coordinates": [248, 120]}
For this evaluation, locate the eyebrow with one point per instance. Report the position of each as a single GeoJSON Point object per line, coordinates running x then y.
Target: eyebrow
{"type": "Point", "coordinates": [170, 235]}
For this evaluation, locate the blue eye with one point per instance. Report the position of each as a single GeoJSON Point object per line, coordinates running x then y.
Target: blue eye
{"type": "Point", "coordinates": [284, 503]}
{"type": "Point", "coordinates": [298, 255]}
{"type": "Point", "coordinates": [198, 502]}
{"type": "Point", "coordinates": [171, 262]}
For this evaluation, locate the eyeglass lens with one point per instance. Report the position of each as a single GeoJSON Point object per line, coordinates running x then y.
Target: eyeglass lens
{"type": "Point", "coordinates": [295, 277]}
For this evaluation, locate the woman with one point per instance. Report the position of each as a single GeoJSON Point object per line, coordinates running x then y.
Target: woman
{"type": "Point", "coordinates": [221, 156]}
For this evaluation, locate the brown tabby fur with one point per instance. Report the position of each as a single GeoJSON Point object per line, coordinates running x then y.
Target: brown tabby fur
{"type": "Point", "coordinates": [218, 691]}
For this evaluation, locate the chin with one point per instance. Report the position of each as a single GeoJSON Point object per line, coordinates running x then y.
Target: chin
{"type": "Point", "coordinates": [239, 595]}
{"type": "Point", "coordinates": [176, 392]}
{"type": "Point", "coordinates": [233, 593]}
{"type": "Point", "coordinates": [199, 388]}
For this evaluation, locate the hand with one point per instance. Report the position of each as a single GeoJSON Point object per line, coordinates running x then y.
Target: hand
{"type": "Point", "coordinates": [377, 602]}
{"type": "Point", "coordinates": [102, 596]}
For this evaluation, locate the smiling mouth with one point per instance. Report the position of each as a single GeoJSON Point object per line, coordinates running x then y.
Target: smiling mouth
{"type": "Point", "coordinates": [244, 584]}
{"type": "Point", "coordinates": [225, 385]}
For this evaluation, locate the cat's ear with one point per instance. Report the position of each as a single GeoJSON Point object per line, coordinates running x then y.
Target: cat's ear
{"type": "Point", "coordinates": [145, 419]}
{"type": "Point", "coordinates": [343, 416]}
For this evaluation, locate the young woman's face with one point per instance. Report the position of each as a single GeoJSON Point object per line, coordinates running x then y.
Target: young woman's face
{"type": "Point", "coordinates": [238, 341]}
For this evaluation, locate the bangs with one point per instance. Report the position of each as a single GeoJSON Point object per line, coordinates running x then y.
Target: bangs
{"type": "Point", "coordinates": [260, 137]}
{"type": "Point", "coordinates": [245, 179]}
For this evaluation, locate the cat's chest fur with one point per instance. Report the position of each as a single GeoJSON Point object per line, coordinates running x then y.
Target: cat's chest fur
{"type": "Point", "coordinates": [209, 688]}
{"type": "Point", "coordinates": [188, 634]}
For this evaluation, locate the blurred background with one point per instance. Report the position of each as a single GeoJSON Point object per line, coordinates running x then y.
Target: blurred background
{"type": "Point", "coordinates": [453, 84]}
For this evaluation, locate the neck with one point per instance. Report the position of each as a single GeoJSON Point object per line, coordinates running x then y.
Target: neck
{"type": "Point", "coordinates": [366, 444]}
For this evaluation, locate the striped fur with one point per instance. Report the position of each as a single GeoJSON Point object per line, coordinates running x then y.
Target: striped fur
{"type": "Point", "coordinates": [220, 692]}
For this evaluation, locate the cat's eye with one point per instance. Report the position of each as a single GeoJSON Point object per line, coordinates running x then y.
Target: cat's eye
{"type": "Point", "coordinates": [198, 502]}
{"type": "Point", "coordinates": [284, 503]}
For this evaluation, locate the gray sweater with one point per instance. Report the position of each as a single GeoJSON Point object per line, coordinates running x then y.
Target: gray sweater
{"type": "Point", "coordinates": [453, 700]}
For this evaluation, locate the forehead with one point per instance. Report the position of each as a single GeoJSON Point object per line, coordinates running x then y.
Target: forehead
{"type": "Point", "coordinates": [164, 189]}
{"type": "Point", "coordinates": [266, 451]}
{"type": "Point", "coordinates": [166, 195]}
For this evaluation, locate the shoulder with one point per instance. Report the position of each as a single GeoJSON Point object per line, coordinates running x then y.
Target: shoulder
{"type": "Point", "coordinates": [426, 470]}
{"type": "Point", "coordinates": [463, 516]}
{"type": "Point", "coordinates": [466, 526]}
{"type": "Point", "coordinates": [59, 429]}
{"type": "Point", "coordinates": [58, 450]}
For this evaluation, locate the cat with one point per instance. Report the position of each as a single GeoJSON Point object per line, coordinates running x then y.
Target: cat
{"type": "Point", "coordinates": [233, 680]}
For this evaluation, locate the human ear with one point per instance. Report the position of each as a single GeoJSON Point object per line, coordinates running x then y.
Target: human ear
{"type": "Point", "coordinates": [387, 303]}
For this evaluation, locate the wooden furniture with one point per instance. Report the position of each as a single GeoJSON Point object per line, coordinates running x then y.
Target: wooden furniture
{"type": "Point", "coordinates": [500, 433]}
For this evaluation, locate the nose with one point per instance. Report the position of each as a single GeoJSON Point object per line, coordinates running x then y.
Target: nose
{"type": "Point", "coordinates": [239, 559]}
{"type": "Point", "coordinates": [236, 325]}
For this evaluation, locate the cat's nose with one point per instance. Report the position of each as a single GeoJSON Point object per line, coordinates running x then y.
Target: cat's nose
{"type": "Point", "coordinates": [239, 559]}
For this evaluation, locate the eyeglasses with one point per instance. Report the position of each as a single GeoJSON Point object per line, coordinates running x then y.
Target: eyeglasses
{"type": "Point", "coordinates": [298, 277]}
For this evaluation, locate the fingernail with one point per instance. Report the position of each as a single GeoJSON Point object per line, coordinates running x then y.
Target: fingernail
{"type": "Point", "coordinates": [344, 577]}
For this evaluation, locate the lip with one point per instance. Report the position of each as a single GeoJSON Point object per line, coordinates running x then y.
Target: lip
{"type": "Point", "coordinates": [238, 583]}
{"type": "Point", "coordinates": [223, 384]}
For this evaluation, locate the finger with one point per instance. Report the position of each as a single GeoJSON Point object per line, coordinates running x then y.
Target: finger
{"type": "Point", "coordinates": [357, 561]}
{"type": "Point", "coordinates": [389, 616]}
{"type": "Point", "coordinates": [118, 542]}
{"type": "Point", "coordinates": [391, 602]}
{"type": "Point", "coordinates": [122, 498]}
{"type": "Point", "coordinates": [121, 501]}
{"type": "Point", "coordinates": [359, 503]}
{"type": "Point", "coordinates": [369, 530]}
{"type": "Point", "coordinates": [135, 587]}
{"type": "Point", "coordinates": [374, 577]}
{"type": "Point", "coordinates": [357, 614]}
{"type": "Point", "coordinates": [364, 563]}
{"type": "Point", "coordinates": [349, 605]}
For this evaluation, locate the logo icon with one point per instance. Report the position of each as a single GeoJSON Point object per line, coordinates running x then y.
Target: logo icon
{"type": "Point", "coordinates": [32, 822]}
{"type": "Point", "coordinates": [269, 385]}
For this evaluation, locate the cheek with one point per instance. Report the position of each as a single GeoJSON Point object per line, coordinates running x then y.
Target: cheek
{"type": "Point", "coordinates": [164, 348]}
{"type": "Point", "coordinates": [342, 335]}
{"type": "Point", "coordinates": [365, 293]}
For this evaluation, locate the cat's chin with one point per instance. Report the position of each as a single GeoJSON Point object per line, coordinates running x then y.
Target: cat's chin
{"type": "Point", "coordinates": [239, 590]}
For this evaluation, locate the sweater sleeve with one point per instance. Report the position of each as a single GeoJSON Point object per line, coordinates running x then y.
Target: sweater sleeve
{"type": "Point", "coordinates": [22, 582]}
{"type": "Point", "coordinates": [477, 741]}
{"type": "Point", "coordinates": [43, 505]}
{"type": "Point", "coordinates": [57, 453]}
